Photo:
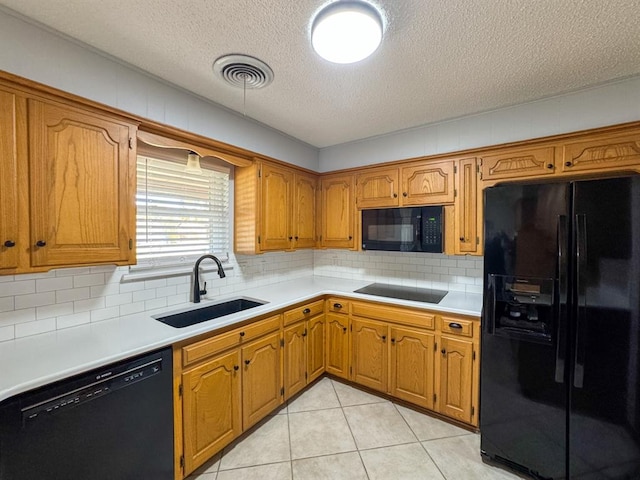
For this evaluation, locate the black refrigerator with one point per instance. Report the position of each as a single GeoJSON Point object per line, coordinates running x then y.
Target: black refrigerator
{"type": "Point", "coordinates": [560, 393]}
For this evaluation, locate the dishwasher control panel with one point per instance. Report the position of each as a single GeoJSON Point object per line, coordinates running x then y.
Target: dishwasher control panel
{"type": "Point", "coordinates": [105, 383]}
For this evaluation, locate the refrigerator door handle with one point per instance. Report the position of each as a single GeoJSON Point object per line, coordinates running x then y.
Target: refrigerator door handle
{"type": "Point", "coordinates": [561, 317]}
{"type": "Point", "coordinates": [581, 307]}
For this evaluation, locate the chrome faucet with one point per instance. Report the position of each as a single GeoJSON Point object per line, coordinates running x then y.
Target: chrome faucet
{"type": "Point", "coordinates": [196, 281]}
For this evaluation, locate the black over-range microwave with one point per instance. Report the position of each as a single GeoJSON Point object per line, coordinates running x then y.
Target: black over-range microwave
{"type": "Point", "coordinates": [411, 229]}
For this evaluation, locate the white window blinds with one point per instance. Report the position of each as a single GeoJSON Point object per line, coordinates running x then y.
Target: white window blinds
{"type": "Point", "coordinates": [180, 215]}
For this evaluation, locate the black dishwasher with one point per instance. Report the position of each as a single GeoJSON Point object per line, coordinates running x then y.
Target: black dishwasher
{"type": "Point", "coordinates": [114, 423]}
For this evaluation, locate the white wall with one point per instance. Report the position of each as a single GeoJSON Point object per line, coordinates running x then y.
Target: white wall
{"type": "Point", "coordinates": [608, 104]}
{"type": "Point", "coordinates": [39, 55]}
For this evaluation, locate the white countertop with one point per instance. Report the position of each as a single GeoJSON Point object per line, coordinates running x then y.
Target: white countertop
{"type": "Point", "coordinates": [31, 362]}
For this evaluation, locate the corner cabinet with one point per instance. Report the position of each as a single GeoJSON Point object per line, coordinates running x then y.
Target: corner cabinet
{"type": "Point", "coordinates": [337, 205]}
{"type": "Point", "coordinates": [275, 208]}
{"type": "Point", "coordinates": [82, 181]}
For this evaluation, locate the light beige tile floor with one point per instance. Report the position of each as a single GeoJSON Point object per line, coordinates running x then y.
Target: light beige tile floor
{"type": "Point", "coordinates": [333, 431]}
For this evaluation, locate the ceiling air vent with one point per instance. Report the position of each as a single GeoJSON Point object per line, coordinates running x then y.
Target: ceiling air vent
{"type": "Point", "coordinates": [243, 71]}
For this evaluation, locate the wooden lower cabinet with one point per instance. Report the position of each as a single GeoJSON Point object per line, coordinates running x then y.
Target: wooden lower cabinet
{"type": "Point", "coordinates": [456, 378]}
{"type": "Point", "coordinates": [370, 353]}
{"type": "Point", "coordinates": [412, 365]}
{"type": "Point", "coordinates": [337, 345]}
{"type": "Point", "coordinates": [261, 379]}
{"type": "Point", "coordinates": [295, 358]}
{"type": "Point", "coordinates": [315, 347]}
{"type": "Point", "coordinates": [211, 406]}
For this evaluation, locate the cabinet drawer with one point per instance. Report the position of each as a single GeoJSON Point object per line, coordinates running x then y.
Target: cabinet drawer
{"type": "Point", "coordinates": [417, 318]}
{"type": "Point", "coordinates": [457, 326]}
{"type": "Point", "coordinates": [337, 305]}
{"type": "Point", "coordinates": [304, 311]}
{"type": "Point", "coordinates": [197, 351]}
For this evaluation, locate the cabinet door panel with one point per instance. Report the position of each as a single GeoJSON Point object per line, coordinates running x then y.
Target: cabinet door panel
{"type": "Point", "coordinates": [304, 211]}
{"type": "Point", "coordinates": [294, 359]}
{"type": "Point", "coordinates": [337, 349]}
{"type": "Point", "coordinates": [261, 381]}
{"type": "Point", "coordinates": [9, 243]}
{"type": "Point", "coordinates": [315, 347]}
{"type": "Point", "coordinates": [466, 208]}
{"type": "Point", "coordinates": [276, 197]}
{"type": "Point", "coordinates": [601, 154]}
{"type": "Point", "coordinates": [377, 188]}
{"type": "Point", "coordinates": [370, 353]}
{"type": "Point", "coordinates": [428, 183]}
{"type": "Point", "coordinates": [412, 359]}
{"type": "Point", "coordinates": [337, 212]}
{"type": "Point", "coordinates": [211, 406]}
{"type": "Point", "coordinates": [456, 373]}
{"type": "Point", "coordinates": [82, 172]}
{"type": "Point", "coordinates": [519, 163]}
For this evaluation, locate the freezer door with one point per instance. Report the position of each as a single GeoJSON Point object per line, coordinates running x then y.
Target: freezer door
{"type": "Point", "coordinates": [523, 386]}
{"type": "Point", "coordinates": [604, 419]}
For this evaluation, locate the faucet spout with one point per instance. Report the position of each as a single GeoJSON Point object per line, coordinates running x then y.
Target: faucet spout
{"type": "Point", "coordinates": [196, 280]}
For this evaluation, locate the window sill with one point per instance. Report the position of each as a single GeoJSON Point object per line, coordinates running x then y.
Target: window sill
{"type": "Point", "coordinates": [181, 271]}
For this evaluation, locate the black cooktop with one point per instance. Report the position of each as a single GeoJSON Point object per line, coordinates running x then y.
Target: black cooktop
{"type": "Point", "coordinates": [426, 295]}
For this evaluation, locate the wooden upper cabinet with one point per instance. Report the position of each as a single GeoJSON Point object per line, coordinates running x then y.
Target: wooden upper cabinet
{"type": "Point", "coordinates": [337, 212]}
{"type": "Point", "coordinates": [519, 163]}
{"type": "Point", "coordinates": [275, 208]}
{"type": "Point", "coordinates": [377, 188]}
{"type": "Point", "coordinates": [9, 242]}
{"type": "Point", "coordinates": [277, 186]}
{"type": "Point", "coordinates": [82, 178]}
{"type": "Point", "coordinates": [427, 183]}
{"type": "Point", "coordinates": [304, 217]}
{"type": "Point", "coordinates": [602, 153]}
{"type": "Point", "coordinates": [467, 222]}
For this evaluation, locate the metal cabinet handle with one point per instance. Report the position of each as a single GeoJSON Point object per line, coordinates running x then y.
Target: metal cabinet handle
{"type": "Point", "coordinates": [350, 237]}
{"type": "Point", "coordinates": [567, 164]}
{"type": "Point", "coordinates": [296, 237]}
{"type": "Point", "coordinates": [384, 338]}
{"type": "Point", "coordinates": [404, 194]}
{"type": "Point", "coordinates": [41, 243]}
{"type": "Point", "coordinates": [344, 329]}
{"type": "Point", "coordinates": [549, 166]}
{"type": "Point", "coordinates": [304, 334]}
{"type": "Point", "coordinates": [462, 239]}
{"type": "Point", "coordinates": [290, 238]}
{"type": "Point", "coordinates": [247, 362]}
{"type": "Point", "coordinates": [395, 195]}
{"type": "Point", "coordinates": [236, 367]}
{"type": "Point", "coordinates": [393, 340]}
{"type": "Point", "coordinates": [337, 305]}
{"type": "Point", "coordinates": [9, 243]}
{"type": "Point", "coordinates": [242, 334]}
{"type": "Point", "coordinates": [455, 325]}
{"type": "Point", "coordinates": [306, 311]}
{"type": "Point", "coordinates": [443, 351]}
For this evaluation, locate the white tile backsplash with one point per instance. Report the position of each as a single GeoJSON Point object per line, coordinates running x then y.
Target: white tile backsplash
{"type": "Point", "coordinates": [64, 298]}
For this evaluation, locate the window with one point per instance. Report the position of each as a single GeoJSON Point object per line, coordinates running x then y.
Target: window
{"type": "Point", "coordinates": [180, 215]}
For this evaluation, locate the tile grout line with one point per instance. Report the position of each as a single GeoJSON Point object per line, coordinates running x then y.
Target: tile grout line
{"type": "Point", "coordinates": [290, 448]}
{"type": "Point", "coordinates": [366, 472]}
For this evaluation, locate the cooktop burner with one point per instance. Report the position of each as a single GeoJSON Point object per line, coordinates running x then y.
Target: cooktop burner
{"type": "Point", "coordinates": [415, 294]}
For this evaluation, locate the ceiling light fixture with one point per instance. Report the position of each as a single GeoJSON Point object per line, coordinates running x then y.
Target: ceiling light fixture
{"type": "Point", "coordinates": [346, 31]}
{"type": "Point", "coordinates": [193, 164]}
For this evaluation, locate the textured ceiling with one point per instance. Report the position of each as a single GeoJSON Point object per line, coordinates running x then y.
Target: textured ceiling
{"type": "Point", "coordinates": [439, 59]}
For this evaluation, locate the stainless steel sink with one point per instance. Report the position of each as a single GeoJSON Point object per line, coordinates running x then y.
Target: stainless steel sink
{"type": "Point", "coordinates": [217, 310]}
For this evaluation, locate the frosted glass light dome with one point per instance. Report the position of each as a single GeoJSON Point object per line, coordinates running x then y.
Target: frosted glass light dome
{"type": "Point", "coordinates": [346, 31]}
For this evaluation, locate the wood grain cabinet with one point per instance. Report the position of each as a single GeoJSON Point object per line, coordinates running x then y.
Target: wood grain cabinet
{"type": "Point", "coordinates": [418, 183]}
{"type": "Point", "coordinates": [370, 353]}
{"type": "Point", "coordinates": [275, 208]}
{"type": "Point", "coordinates": [337, 210]}
{"type": "Point", "coordinates": [467, 219]}
{"type": "Point", "coordinates": [303, 346]}
{"type": "Point", "coordinates": [337, 339]}
{"type": "Point", "coordinates": [228, 382]}
{"type": "Point", "coordinates": [212, 407]}
{"type": "Point", "coordinates": [458, 371]}
{"type": "Point", "coordinates": [514, 163]}
{"type": "Point", "coordinates": [82, 181]}
{"type": "Point", "coordinates": [602, 153]}
{"type": "Point", "coordinates": [261, 380]}
{"type": "Point", "coordinates": [9, 241]}
{"type": "Point", "coordinates": [412, 365]}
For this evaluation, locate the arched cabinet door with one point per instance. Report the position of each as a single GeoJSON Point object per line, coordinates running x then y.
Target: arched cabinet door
{"type": "Point", "coordinates": [82, 186]}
